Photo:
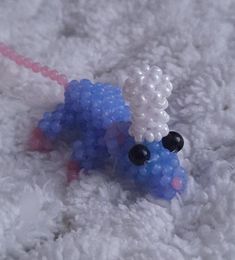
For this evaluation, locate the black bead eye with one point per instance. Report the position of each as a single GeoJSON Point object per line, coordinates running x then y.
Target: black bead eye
{"type": "Point", "coordinates": [174, 142]}
{"type": "Point", "coordinates": [139, 154]}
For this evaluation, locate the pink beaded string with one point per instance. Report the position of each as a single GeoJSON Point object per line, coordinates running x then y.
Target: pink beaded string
{"type": "Point", "coordinates": [36, 67]}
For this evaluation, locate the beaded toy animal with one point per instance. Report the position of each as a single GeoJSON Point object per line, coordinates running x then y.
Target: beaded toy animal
{"type": "Point", "coordinates": [126, 126]}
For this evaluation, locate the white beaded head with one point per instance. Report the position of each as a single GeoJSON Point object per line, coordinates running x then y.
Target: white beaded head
{"type": "Point", "coordinates": [146, 91]}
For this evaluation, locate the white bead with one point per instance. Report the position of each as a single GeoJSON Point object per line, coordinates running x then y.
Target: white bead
{"type": "Point", "coordinates": [169, 86]}
{"type": "Point", "coordinates": [140, 130]}
{"type": "Point", "coordinates": [165, 78]}
{"type": "Point", "coordinates": [145, 67]}
{"type": "Point", "coordinates": [149, 136]}
{"type": "Point", "coordinates": [145, 91]}
{"type": "Point", "coordinates": [137, 117]}
{"type": "Point", "coordinates": [159, 96]}
{"type": "Point", "coordinates": [151, 122]}
{"type": "Point", "coordinates": [132, 92]}
{"type": "Point", "coordinates": [134, 71]}
{"type": "Point", "coordinates": [163, 116]}
{"type": "Point", "coordinates": [138, 138]}
{"type": "Point", "coordinates": [149, 87]}
{"type": "Point", "coordinates": [156, 70]}
{"type": "Point", "coordinates": [143, 99]}
{"type": "Point", "coordinates": [157, 136]}
{"type": "Point", "coordinates": [167, 92]}
{"type": "Point", "coordinates": [165, 130]}
{"type": "Point", "coordinates": [162, 105]}
{"type": "Point", "coordinates": [138, 111]}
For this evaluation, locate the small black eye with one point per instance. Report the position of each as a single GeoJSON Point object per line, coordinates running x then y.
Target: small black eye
{"type": "Point", "coordinates": [174, 142]}
{"type": "Point", "coordinates": [139, 154]}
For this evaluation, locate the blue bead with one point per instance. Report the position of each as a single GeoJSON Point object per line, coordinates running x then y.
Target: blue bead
{"type": "Point", "coordinates": [44, 124]}
{"type": "Point", "coordinates": [57, 115]}
{"type": "Point", "coordinates": [165, 180]}
{"type": "Point", "coordinates": [60, 107]}
{"type": "Point", "coordinates": [47, 115]}
{"type": "Point", "coordinates": [55, 127]}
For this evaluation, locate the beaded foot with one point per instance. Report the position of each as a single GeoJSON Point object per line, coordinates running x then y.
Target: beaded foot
{"type": "Point", "coordinates": [73, 169]}
{"type": "Point", "coordinates": [39, 142]}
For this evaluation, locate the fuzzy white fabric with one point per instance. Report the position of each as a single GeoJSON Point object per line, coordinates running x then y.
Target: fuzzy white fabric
{"type": "Point", "coordinates": [98, 218]}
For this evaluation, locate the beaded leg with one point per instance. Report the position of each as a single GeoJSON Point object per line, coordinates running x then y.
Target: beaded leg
{"type": "Point", "coordinates": [50, 128]}
{"type": "Point", "coordinates": [76, 161]}
{"type": "Point", "coordinates": [73, 169]}
{"type": "Point", "coordinates": [39, 142]}
{"type": "Point", "coordinates": [88, 153]}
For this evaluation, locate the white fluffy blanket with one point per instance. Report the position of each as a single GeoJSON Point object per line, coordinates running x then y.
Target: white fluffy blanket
{"type": "Point", "coordinates": [97, 217]}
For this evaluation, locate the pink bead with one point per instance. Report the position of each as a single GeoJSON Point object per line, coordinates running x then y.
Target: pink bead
{"type": "Point", "coordinates": [1, 46]}
{"type": "Point", "coordinates": [36, 67]}
{"type": "Point", "coordinates": [19, 59]}
{"type": "Point", "coordinates": [53, 74]}
{"type": "Point", "coordinates": [10, 51]}
{"type": "Point", "coordinates": [62, 80]}
{"type": "Point", "coordinates": [39, 142]}
{"type": "Point", "coordinates": [12, 55]}
{"type": "Point", "coordinates": [66, 85]}
{"type": "Point", "coordinates": [5, 50]}
{"type": "Point", "coordinates": [45, 71]}
{"type": "Point", "coordinates": [27, 62]}
{"type": "Point", "coordinates": [176, 183]}
{"type": "Point", "coordinates": [72, 171]}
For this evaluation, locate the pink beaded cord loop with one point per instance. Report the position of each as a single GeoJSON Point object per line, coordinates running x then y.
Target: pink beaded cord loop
{"type": "Point", "coordinates": [36, 67]}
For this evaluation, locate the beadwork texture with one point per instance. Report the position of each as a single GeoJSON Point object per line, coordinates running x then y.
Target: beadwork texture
{"type": "Point", "coordinates": [34, 66]}
{"type": "Point", "coordinates": [146, 91]}
{"type": "Point", "coordinates": [98, 120]}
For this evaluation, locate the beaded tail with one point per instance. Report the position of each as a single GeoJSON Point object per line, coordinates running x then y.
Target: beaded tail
{"type": "Point", "coordinates": [35, 67]}
{"type": "Point", "coordinates": [38, 140]}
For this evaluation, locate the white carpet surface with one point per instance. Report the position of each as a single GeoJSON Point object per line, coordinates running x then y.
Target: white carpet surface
{"type": "Point", "coordinates": [97, 217]}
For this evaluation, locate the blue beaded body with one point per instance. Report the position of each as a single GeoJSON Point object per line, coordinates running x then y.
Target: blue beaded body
{"type": "Point", "coordinates": [96, 119]}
